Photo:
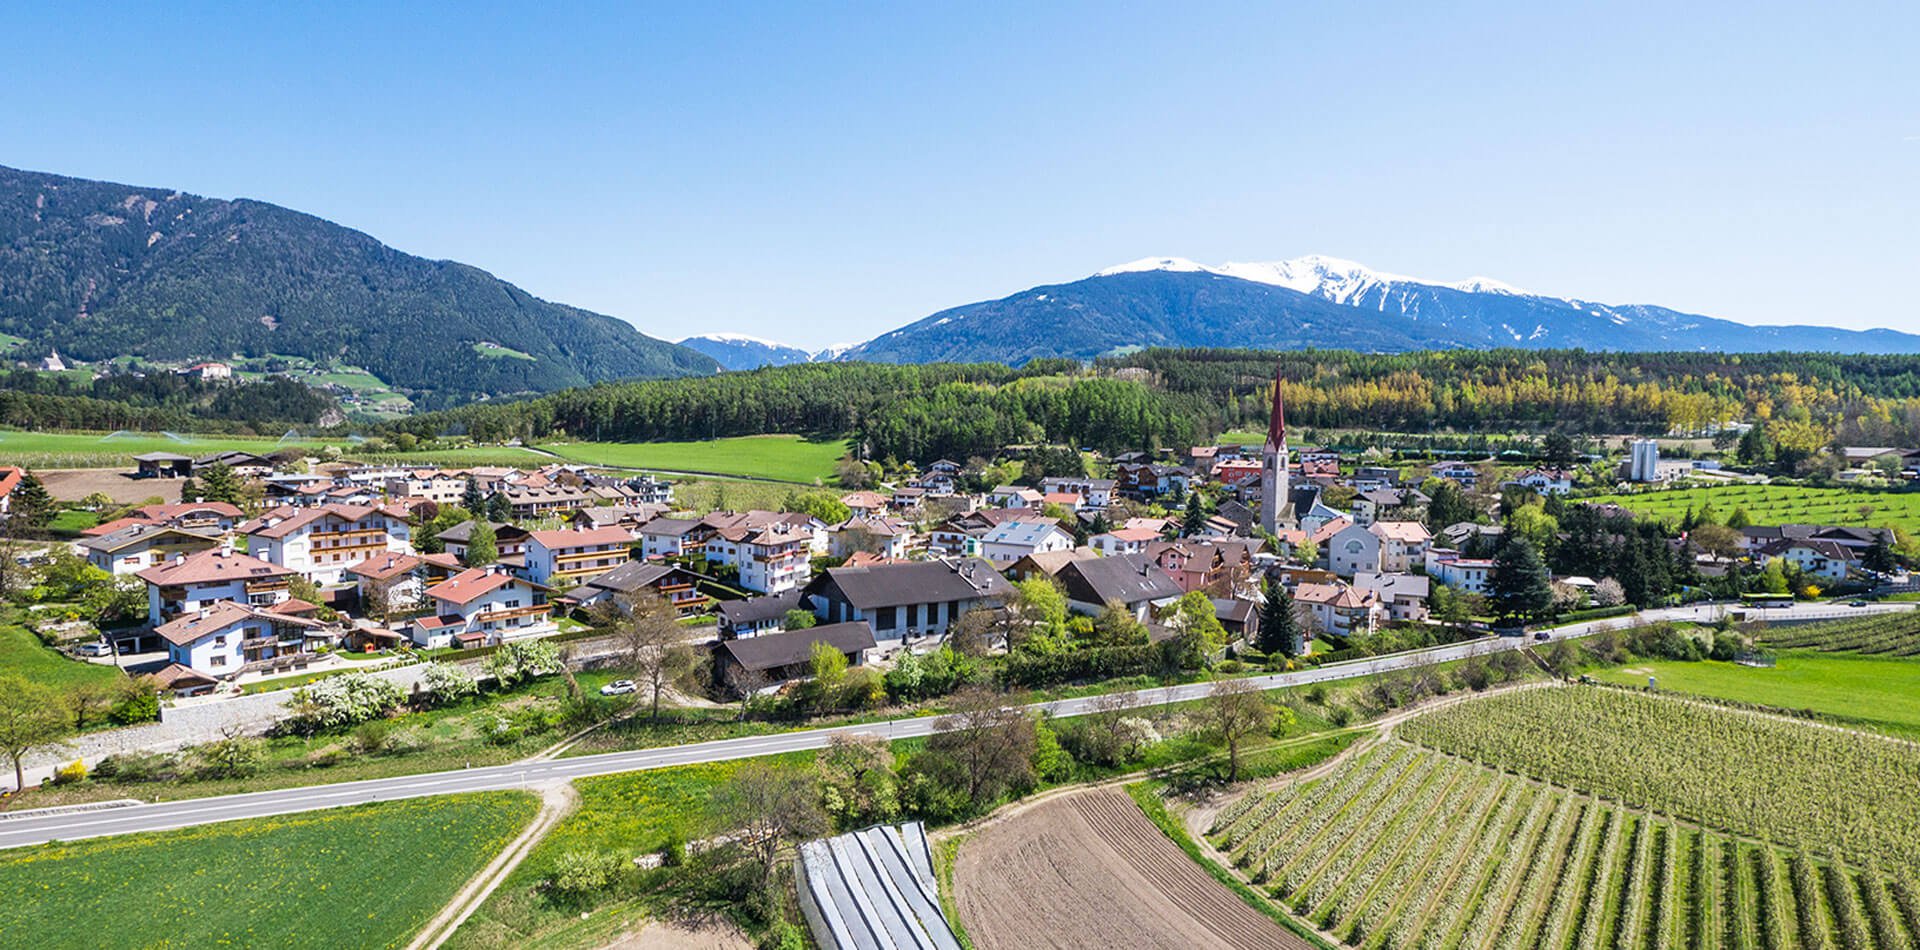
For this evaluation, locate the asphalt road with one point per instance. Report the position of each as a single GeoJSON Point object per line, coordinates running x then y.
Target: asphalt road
{"type": "Point", "coordinates": [24, 828]}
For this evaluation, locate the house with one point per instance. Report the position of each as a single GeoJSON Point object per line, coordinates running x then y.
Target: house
{"type": "Point", "coordinates": [509, 541]}
{"type": "Point", "coordinates": [1339, 609]}
{"type": "Point", "coordinates": [905, 601]}
{"type": "Point", "coordinates": [208, 516]}
{"type": "Point", "coordinates": [135, 548]}
{"type": "Point", "coordinates": [1352, 549]}
{"type": "Point", "coordinates": [229, 638]}
{"type": "Point", "coordinates": [1150, 479]}
{"type": "Point", "coordinates": [1464, 574]}
{"type": "Point", "coordinates": [1403, 544]}
{"type": "Point", "coordinates": [1123, 541]}
{"type": "Point", "coordinates": [630, 517]}
{"type": "Point", "coordinates": [649, 490]}
{"type": "Point", "coordinates": [1241, 618]}
{"type": "Point", "coordinates": [441, 488]}
{"type": "Point", "coordinates": [10, 478]}
{"type": "Point", "coordinates": [393, 582]}
{"type": "Point", "coordinates": [771, 658]}
{"type": "Point", "coordinates": [1014, 496]}
{"type": "Point", "coordinates": [1463, 533]}
{"type": "Point", "coordinates": [483, 606]}
{"type": "Point", "coordinates": [321, 543]}
{"type": "Point", "coordinates": [1461, 472]}
{"type": "Point", "coordinates": [935, 483]}
{"type": "Point", "coordinates": [672, 537]}
{"type": "Point", "coordinates": [1095, 493]}
{"type": "Point", "coordinates": [563, 559]}
{"type": "Point", "coordinates": [1013, 540]}
{"type": "Point", "coordinates": [1404, 596]}
{"type": "Point", "coordinates": [1829, 560]}
{"type": "Point", "coordinates": [1046, 563]}
{"type": "Point", "coordinates": [1755, 537]}
{"type": "Point", "coordinates": [52, 363]}
{"type": "Point", "coordinates": [1237, 473]}
{"type": "Point", "coordinates": [1544, 481]}
{"type": "Point", "coordinates": [756, 615]}
{"type": "Point", "coordinates": [1133, 581]}
{"type": "Point", "coordinates": [961, 535]}
{"type": "Point", "coordinates": [190, 582]}
{"type": "Point", "coordinates": [208, 371]}
{"type": "Point", "coordinates": [623, 585]}
{"type": "Point", "coordinates": [1373, 478]}
{"type": "Point", "coordinates": [533, 503]}
{"type": "Point", "coordinates": [793, 521]}
{"type": "Point", "coordinates": [863, 503]}
{"type": "Point", "coordinates": [162, 465]}
{"type": "Point", "coordinates": [770, 559]}
{"type": "Point", "coordinates": [888, 538]}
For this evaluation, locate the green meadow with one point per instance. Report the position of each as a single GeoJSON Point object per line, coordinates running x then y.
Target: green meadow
{"type": "Point", "coordinates": [1876, 692]}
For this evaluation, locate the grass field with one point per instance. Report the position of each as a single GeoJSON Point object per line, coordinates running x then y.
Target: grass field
{"type": "Point", "coordinates": [786, 458]}
{"type": "Point", "coordinates": [494, 351]}
{"type": "Point", "coordinates": [362, 876]}
{"type": "Point", "coordinates": [22, 653]}
{"type": "Point", "coordinates": [1781, 504]}
{"type": "Point", "coordinates": [630, 814]}
{"type": "Point", "coordinates": [1875, 691]}
{"type": "Point", "coordinates": [99, 449]}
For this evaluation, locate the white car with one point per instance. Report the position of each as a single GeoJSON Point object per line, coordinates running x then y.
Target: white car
{"type": "Point", "coordinates": [618, 688]}
{"type": "Point", "coordinates": [96, 648]}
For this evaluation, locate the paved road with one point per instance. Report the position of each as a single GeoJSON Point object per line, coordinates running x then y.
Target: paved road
{"type": "Point", "coordinates": [24, 828]}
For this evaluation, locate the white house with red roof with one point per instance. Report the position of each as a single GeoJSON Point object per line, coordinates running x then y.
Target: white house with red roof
{"type": "Point", "coordinates": [1338, 608]}
{"type": "Point", "coordinates": [1123, 541]}
{"type": "Point", "coordinates": [10, 478]}
{"type": "Point", "coordinates": [566, 559]}
{"type": "Point", "coordinates": [322, 542]}
{"type": "Point", "coordinates": [209, 371]}
{"type": "Point", "coordinates": [191, 582]}
{"type": "Point", "coordinates": [484, 606]}
{"type": "Point", "coordinates": [393, 581]}
{"type": "Point", "coordinates": [229, 638]}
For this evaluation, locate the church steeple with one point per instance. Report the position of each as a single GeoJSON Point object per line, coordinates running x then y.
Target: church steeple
{"type": "Point", "coordinates": [1277, 423]}
{"type": "Point", "coordinates": [1276, 511]}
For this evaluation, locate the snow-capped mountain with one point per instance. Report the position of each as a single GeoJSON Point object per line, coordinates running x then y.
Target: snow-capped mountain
{"type": "Point", "coordinates": [740, 351]}
{"type": "Point", "coordinates": [1318, 301]}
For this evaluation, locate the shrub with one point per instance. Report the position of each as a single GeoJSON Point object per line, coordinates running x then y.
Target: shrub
{"type": "Point", "coordinates": [70, 774]}
{"type": "Point", "coordinates": [578, 873]}
{"type": "Point", "coordinates": [442, 684]}
{"type": "Point", "coordinates": [136, 703]}
{"type": "Point", "coordinates": [344, 700]}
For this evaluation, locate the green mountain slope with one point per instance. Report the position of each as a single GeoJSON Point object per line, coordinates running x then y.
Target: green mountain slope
{"type": "Point", "coordinates": [99, 269]}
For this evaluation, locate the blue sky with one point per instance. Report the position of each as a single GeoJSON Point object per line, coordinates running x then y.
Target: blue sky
{"type": "Point", "coordinates": [818, 173]}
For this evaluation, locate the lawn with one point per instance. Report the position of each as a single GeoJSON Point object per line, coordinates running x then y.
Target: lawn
{"type": "Point", "coordinates": [494, 351]}
{"type": "Point", "coordinates": [22, 653]}
{"type": "Point", "coordinates": [69, 522]}
{"type": "Point", "coordinates": [1781, 504]}
{"type": "Point", "coordinates": [361, 876]}
{"type": "Point", "coordinates": [629, 814]}
{"type": "Point", "coordinates": [784, 458]}
{"type": "Point", "coordinates": [1873, 691]}
{"type": "Point", "coordinates": [99, 449]}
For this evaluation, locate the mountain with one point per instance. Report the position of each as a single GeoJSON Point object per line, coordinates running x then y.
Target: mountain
{"type": "Point", "coordinates": [1320, 302]}
{"type": "Point", "coordinates": [98, 270]}
{"type": "Point", "coordinates": [740, 351]}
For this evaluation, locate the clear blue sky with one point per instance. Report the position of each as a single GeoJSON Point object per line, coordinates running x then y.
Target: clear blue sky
{"type": "Point", "coordinates": [819, 173]}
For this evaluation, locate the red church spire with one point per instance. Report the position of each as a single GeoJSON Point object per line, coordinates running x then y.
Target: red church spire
{"type": "Point", "coordinates": [1277, 425]}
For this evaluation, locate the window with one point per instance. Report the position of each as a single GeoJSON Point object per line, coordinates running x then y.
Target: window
{"type": "Point", "coordinates": [913, 615]}
{"type": "Point", "coordinates": [219, 661]}
{"type": "Point", "coordinates": [883, 618]}
{"type": "Point", "coordinates": [220, 640]}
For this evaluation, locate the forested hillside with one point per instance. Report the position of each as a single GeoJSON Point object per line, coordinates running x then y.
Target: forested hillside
{"type": "Point", "coordinates": [102, 270]}
{"type": "Point", "coordinates": [1174, 397]}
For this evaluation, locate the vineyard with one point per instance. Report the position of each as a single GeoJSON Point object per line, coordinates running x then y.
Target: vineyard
{"type": "Point", "coordinates": [1894, 634]}
{"type": "Point", "coordinates": [1403, 847]}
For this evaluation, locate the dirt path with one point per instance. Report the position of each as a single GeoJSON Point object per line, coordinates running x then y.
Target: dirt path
{"type": "Point", "coordinates": [1088, 869]}
{"type": "Point", "coordinates": [556, 802]}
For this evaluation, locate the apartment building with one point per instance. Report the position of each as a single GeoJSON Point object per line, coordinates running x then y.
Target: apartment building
{"type": "Point", "coordinates": [323, 542]}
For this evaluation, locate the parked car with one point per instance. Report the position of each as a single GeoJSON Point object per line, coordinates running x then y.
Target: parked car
{"type": "Point", "coordinates": [1542, 635]}
{"type": "Point", "coordinates": [96, 648]}
{"type": "Point", "coordinates": [618, 688]}
{"type": "Point", "coordinates": [1856, 603]}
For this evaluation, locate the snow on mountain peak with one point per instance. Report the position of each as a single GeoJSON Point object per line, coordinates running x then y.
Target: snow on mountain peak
{"type": "Point", "coordinates": [1176, 264]}
{"type": "Point", "coordinates": [737, 338]}
{"type": "Point", "coordinates": [1334, 278]}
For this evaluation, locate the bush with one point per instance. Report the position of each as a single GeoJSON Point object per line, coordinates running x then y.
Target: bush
{"type": "Point", "coordinates": [134, 767]}
{"type": "Point", "coordinates": [1097, 663]}
{"type": "Point", "coordinates": [578, 873]}
{"type": "Point", "coordinates": [442, 684]}
{"type": "Point", "coordinates": [372, 737]}
{"type": "Point", "coordinates": [136, 703]}
{"type": "Point", "coordinates": [70, 774]}
{"type": "Point", "coordinates": [343, 700]}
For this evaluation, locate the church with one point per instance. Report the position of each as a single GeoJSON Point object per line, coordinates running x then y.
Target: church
{"type": "Point", "coordinates": [1276, 508]}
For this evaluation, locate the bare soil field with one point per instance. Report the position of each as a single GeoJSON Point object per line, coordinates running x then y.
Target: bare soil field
{"type": "Point", "coordinates": [1089, 870]}
{"type": "Point", "coordinates": [73, 484]}
{"type": "Point", "coordinates": [662, 935]}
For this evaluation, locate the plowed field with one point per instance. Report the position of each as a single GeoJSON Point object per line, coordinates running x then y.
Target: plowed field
{"type": "Point", "coordinates": [1089, 870]}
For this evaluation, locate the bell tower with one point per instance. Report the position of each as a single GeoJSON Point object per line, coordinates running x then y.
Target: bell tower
{"type": "Point", "coordinates": [1275, 510]}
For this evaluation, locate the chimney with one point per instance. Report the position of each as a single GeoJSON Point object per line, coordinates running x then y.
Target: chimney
{"type": "Point", "coordinates": [226, 547]}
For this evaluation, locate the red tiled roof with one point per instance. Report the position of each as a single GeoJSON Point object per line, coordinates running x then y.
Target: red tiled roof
{"type": "Point", "coordinates": [117, 524]}
{"type": "Point", "coordinates": [209, 566]}
{"type": "Point", "coordinates": [293, 607]}
{"type": "Point", "coordinates": [463, 587]}
{"type": "Point", "coordinates": [10, 478]}
{"type": "Point", "coordinates": [291, 519]}
{"type": "Point", "coordinates": [556, 540]}
{"type": "Point", "coordinates": [181, 510]}
{"type": "Point", "coordinates": [384, 565]}
{"type": "Point", "coordinates": [176, 676]}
